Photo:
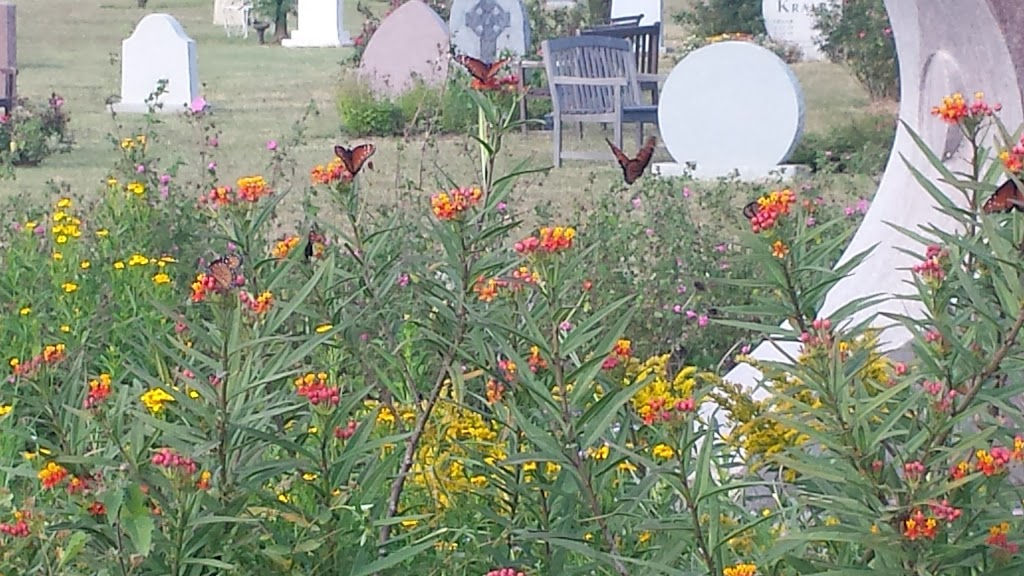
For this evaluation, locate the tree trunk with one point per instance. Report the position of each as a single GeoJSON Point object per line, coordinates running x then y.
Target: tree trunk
{"type": "Point", "coordinates": [281, 23]}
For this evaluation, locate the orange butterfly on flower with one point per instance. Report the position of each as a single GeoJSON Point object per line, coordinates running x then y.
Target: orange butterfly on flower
{"type": "Point", "coordinates": [1007, 197]}
{"type": "Point", "coordinates": [355, 158]}
{"type": "Point", "coordinates": [485, 74]}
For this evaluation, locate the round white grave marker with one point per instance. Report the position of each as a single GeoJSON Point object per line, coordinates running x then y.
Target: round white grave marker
{"type": "Point", "coordinates": [731, 105]}
{"type": "Point", "coordinates": [793, 21]}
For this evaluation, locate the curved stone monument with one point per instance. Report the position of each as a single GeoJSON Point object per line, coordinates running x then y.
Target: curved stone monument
{"type": "Point", "coordinates": [943, 46]}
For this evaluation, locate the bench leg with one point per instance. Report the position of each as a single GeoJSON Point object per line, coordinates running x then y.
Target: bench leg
{"type": "Point", "coordinates": [522, 100]}
{"type": "Point", "coordinates": [556, 134]}
{"type": "Point", "coordinates": [639, 135]}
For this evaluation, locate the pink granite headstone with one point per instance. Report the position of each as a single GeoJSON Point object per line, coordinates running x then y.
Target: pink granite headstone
{"type": "Point", "coordinates": [8, 48]}
{"type": "Point", "coordinates": [410, 45]}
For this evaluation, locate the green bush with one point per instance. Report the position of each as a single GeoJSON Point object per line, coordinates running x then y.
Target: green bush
{"type": "Point", "coordinates": [861, 146]}
{"type": "Point", "coordinates": [858, 36]}
{"type": "Point", "coordinates": [30, 133]}
{"type": "Point", "coordinates": [714, 17]}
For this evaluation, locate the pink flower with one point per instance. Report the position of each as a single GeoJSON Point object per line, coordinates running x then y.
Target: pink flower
{"type": "Point", "coordinates": [140, 168]}
{"type": "Point", "coordinates": [686, 192]}
{"type": "Point", "coordinates": [271, 145]}
{"type": "Point", "coordinates": [198, 105]}
{"type": "Point", "coordinates": [565, 326]}
{"type": "Point", "coordinates": [165, 179]}
{"type": "Point", "coordinates": [636, 203]}
{"type": "Point", "coordinates": [678, 309]}
{"type": "Point", "coordinates": [702, 321]}
{"type": "Point", "coordinates": [212, 142]}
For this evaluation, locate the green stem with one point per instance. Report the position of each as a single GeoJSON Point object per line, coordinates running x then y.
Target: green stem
{"type": "Point", "coordinates": [484, 155]}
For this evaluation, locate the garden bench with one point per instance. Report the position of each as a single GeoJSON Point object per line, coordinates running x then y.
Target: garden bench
{"type": "Point", "coordinates": [594, 79]}
{"type": "Point", "coordinates": [645, 41]}
{"type": "Point", "coordinates": [8, 89]}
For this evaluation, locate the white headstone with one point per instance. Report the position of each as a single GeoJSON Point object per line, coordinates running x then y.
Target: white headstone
{"type": "Point", "coordinates": [731, 106]}
{"type": "Point", "coordinates": [651, 10]}
{"type": "Point", "coordinates": [321, 25]}
{"type": "Point", "coordinates": [793, 21]}
{"type": "Point", "coordinates": [484, 29]}
{"type": "Point", "coordinates": [158, 50]}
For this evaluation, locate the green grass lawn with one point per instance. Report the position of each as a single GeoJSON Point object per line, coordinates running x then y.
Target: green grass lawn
{"type": "Point", "coordinates": [73, 47]}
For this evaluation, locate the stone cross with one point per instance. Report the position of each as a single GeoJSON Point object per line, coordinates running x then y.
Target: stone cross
{"type": "Point", "coordinates": [488, 20]}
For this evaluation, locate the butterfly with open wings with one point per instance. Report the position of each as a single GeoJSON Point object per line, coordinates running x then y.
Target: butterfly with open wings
{"type": "Point", "coordinates": [485, 74]}
{"type": "Point", "coordinates": [633, 168]}
{"type": "Point", "coordinates": [355, 158]}
{"type": "Point", "coordinates": [1007, 197]}
{"type": "Point", "coordinates": [226, 272]}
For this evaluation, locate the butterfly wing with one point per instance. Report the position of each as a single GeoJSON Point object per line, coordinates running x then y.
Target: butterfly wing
{"type": "Point", "coordinates": [308, 252]}
{"type": "Point", "coordinates": [493, 69]}
{"type": "Point", "coordinates": [622, 159]}
{"type": "Point", "coordinates": [477, 68]}
{"type": "Point", "coordinates": [750, 210]}
{"type": "Point", "coordinates": [639, 164]}
{"type": "Point", "coordinates": [222, 273]}
{"type": "Point", "coordinates": [1006, 198]}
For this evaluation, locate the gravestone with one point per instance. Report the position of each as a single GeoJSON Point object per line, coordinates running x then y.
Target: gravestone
{"type": "Point", "coordinates": [943, 46]}
{"type": "Point", "coordinates": [410, 45]}
{"type": "Point", "coordinates": [746, 116]}
{"type": "Point", "coordinates": [652, 11]}
{"type": "Point", "coordinates": [792, 21]}
{"type": "Point", "coordinates": [158, 49]}
{"type": "Point", "coordinates": [8, 51]}
{"type": "Point", "coordinates": [321, 25]}
{"type": "Point", "coordinates": [484, 29]}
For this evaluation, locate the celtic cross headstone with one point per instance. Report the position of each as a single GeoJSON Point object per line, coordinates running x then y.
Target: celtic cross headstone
{"type": "Point", "coordinates": [488, 21]}
{"type": "Point", "coordinates": [485, 28]}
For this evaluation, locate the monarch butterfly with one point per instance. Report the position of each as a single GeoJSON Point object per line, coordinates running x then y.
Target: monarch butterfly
{"type": "Point", "coordinates": [1006, 198]}
{"type": "Point", "coordinates": [633, 168]}
{"type": "Point", "coordinates": [750, 210]}
{"type": "Point", "coordinates": [225, 270]}
{"type": "Point", "coordinates": [312, 240]}
{"type": "Point", "coordinates": [354, 158]}
{"type": "Point", "coordinates": [483, 72]}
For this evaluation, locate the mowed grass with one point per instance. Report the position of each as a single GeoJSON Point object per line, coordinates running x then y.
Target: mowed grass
{"type": "Point", "coordinates": [72, 47]}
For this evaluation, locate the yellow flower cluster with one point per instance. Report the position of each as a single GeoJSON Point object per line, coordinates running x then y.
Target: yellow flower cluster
{"type": "Point", "coordinates": [65, 224]}
{"type": "Point", "coordinates": [140, 260]}
{"type": "Point", "coordinates": [154, 399]}
{"type": "Point", "coordinates": [661, 390]}
{"type": "Point", "coordinates": [453, 438]}
{"type": "Point", "coordinates": [133, 143]}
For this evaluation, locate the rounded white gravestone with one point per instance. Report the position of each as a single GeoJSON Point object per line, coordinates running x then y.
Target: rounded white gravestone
{"type": "Point", "coordinates": [792, 21]}
{"type": "Point", "coordinates": [730, 106]}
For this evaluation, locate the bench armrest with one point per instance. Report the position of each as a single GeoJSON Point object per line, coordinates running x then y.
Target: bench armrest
{"type": "Point", "coordinates": [530, 64]}
{"type": "Point", "coordinates": [576, 81]}
{"type": "Point", "coordinates": [651, 77]}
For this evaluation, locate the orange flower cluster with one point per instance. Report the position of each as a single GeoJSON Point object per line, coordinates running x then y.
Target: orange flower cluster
{"type": "Point", "coordinates": [99, 390]}
{"type": "Point", "coordinates": [953, 108]}
{"type": "Point", "coordinates": [334, 171]}
{"type": "Point", "coordinates": [770, 207]}
{"type": "Point", "coordinates": [487, 290]}
{"type": "Point", "coordinates": [933, 267]}
{"type": "Point", "coordinates": [990, 462]}
{"type": "Point", "coordinates": [218, 197]}
{"type": "Point", "coordinates": [204, 480]}
{"type": "Point", "coordinates": [259, 304]}
{"type": "Point", "coordinates": [451, 205]}
{"type": "Point", "coordinates": [509, 83]}
{"type": "Point", "coordinates": [314, 388]}
{"type": "Point", "coordinates": [526, 276]}
{"type": "Point", "coordinates": [284, 247]}
{"type": "Point", "coordinates": [253, 188]}
{"type": "Point", "coordinates": [495, 391]}
{"type": "Point", "coordinates": [170, 459]}
{"type": "Point", "coordinates": [920, 526]}
{"type": "Point", "coordinates": [740, 570]}
{"type": "Point", "coordinates": [997, 538]}
{"type": "Point", "coordinates": [19, 528]}
{"type": "Point", "coordinates": [1013, 159]}
{"type": "Point", "coordinates": [622, 352]}
{"type": "Point", "coordinates": [535, 360]}
{"type": "Point", "coordinates": [52, 474]}
{"type": "Point", "coordinates": [51, 354]}
{"type": "Point", "coordinates": [548, 241]}
{"type": "Point", "coordinates": [202, 287]}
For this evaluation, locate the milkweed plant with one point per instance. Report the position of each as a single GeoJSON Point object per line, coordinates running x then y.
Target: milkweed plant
{"type": "Point", "coordinates": [441, 389]}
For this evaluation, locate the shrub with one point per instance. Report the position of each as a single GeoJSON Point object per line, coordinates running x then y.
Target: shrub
{"type": "Point", "coordinates": [714, 17]}
{"type": "Point", "coordinates": [857, 35]}
{"type": "Point", "coordinates": [860, 146]}
{"type": "Point", "coordinates": [31, 133]}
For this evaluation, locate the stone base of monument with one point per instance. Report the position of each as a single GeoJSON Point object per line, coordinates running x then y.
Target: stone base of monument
{"type": "Point", "coordinates": [143, 108]}
{"type": "Point", "coordinates": [781, 172]}
{"type": "Point", "coordinates": [300, 40]}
